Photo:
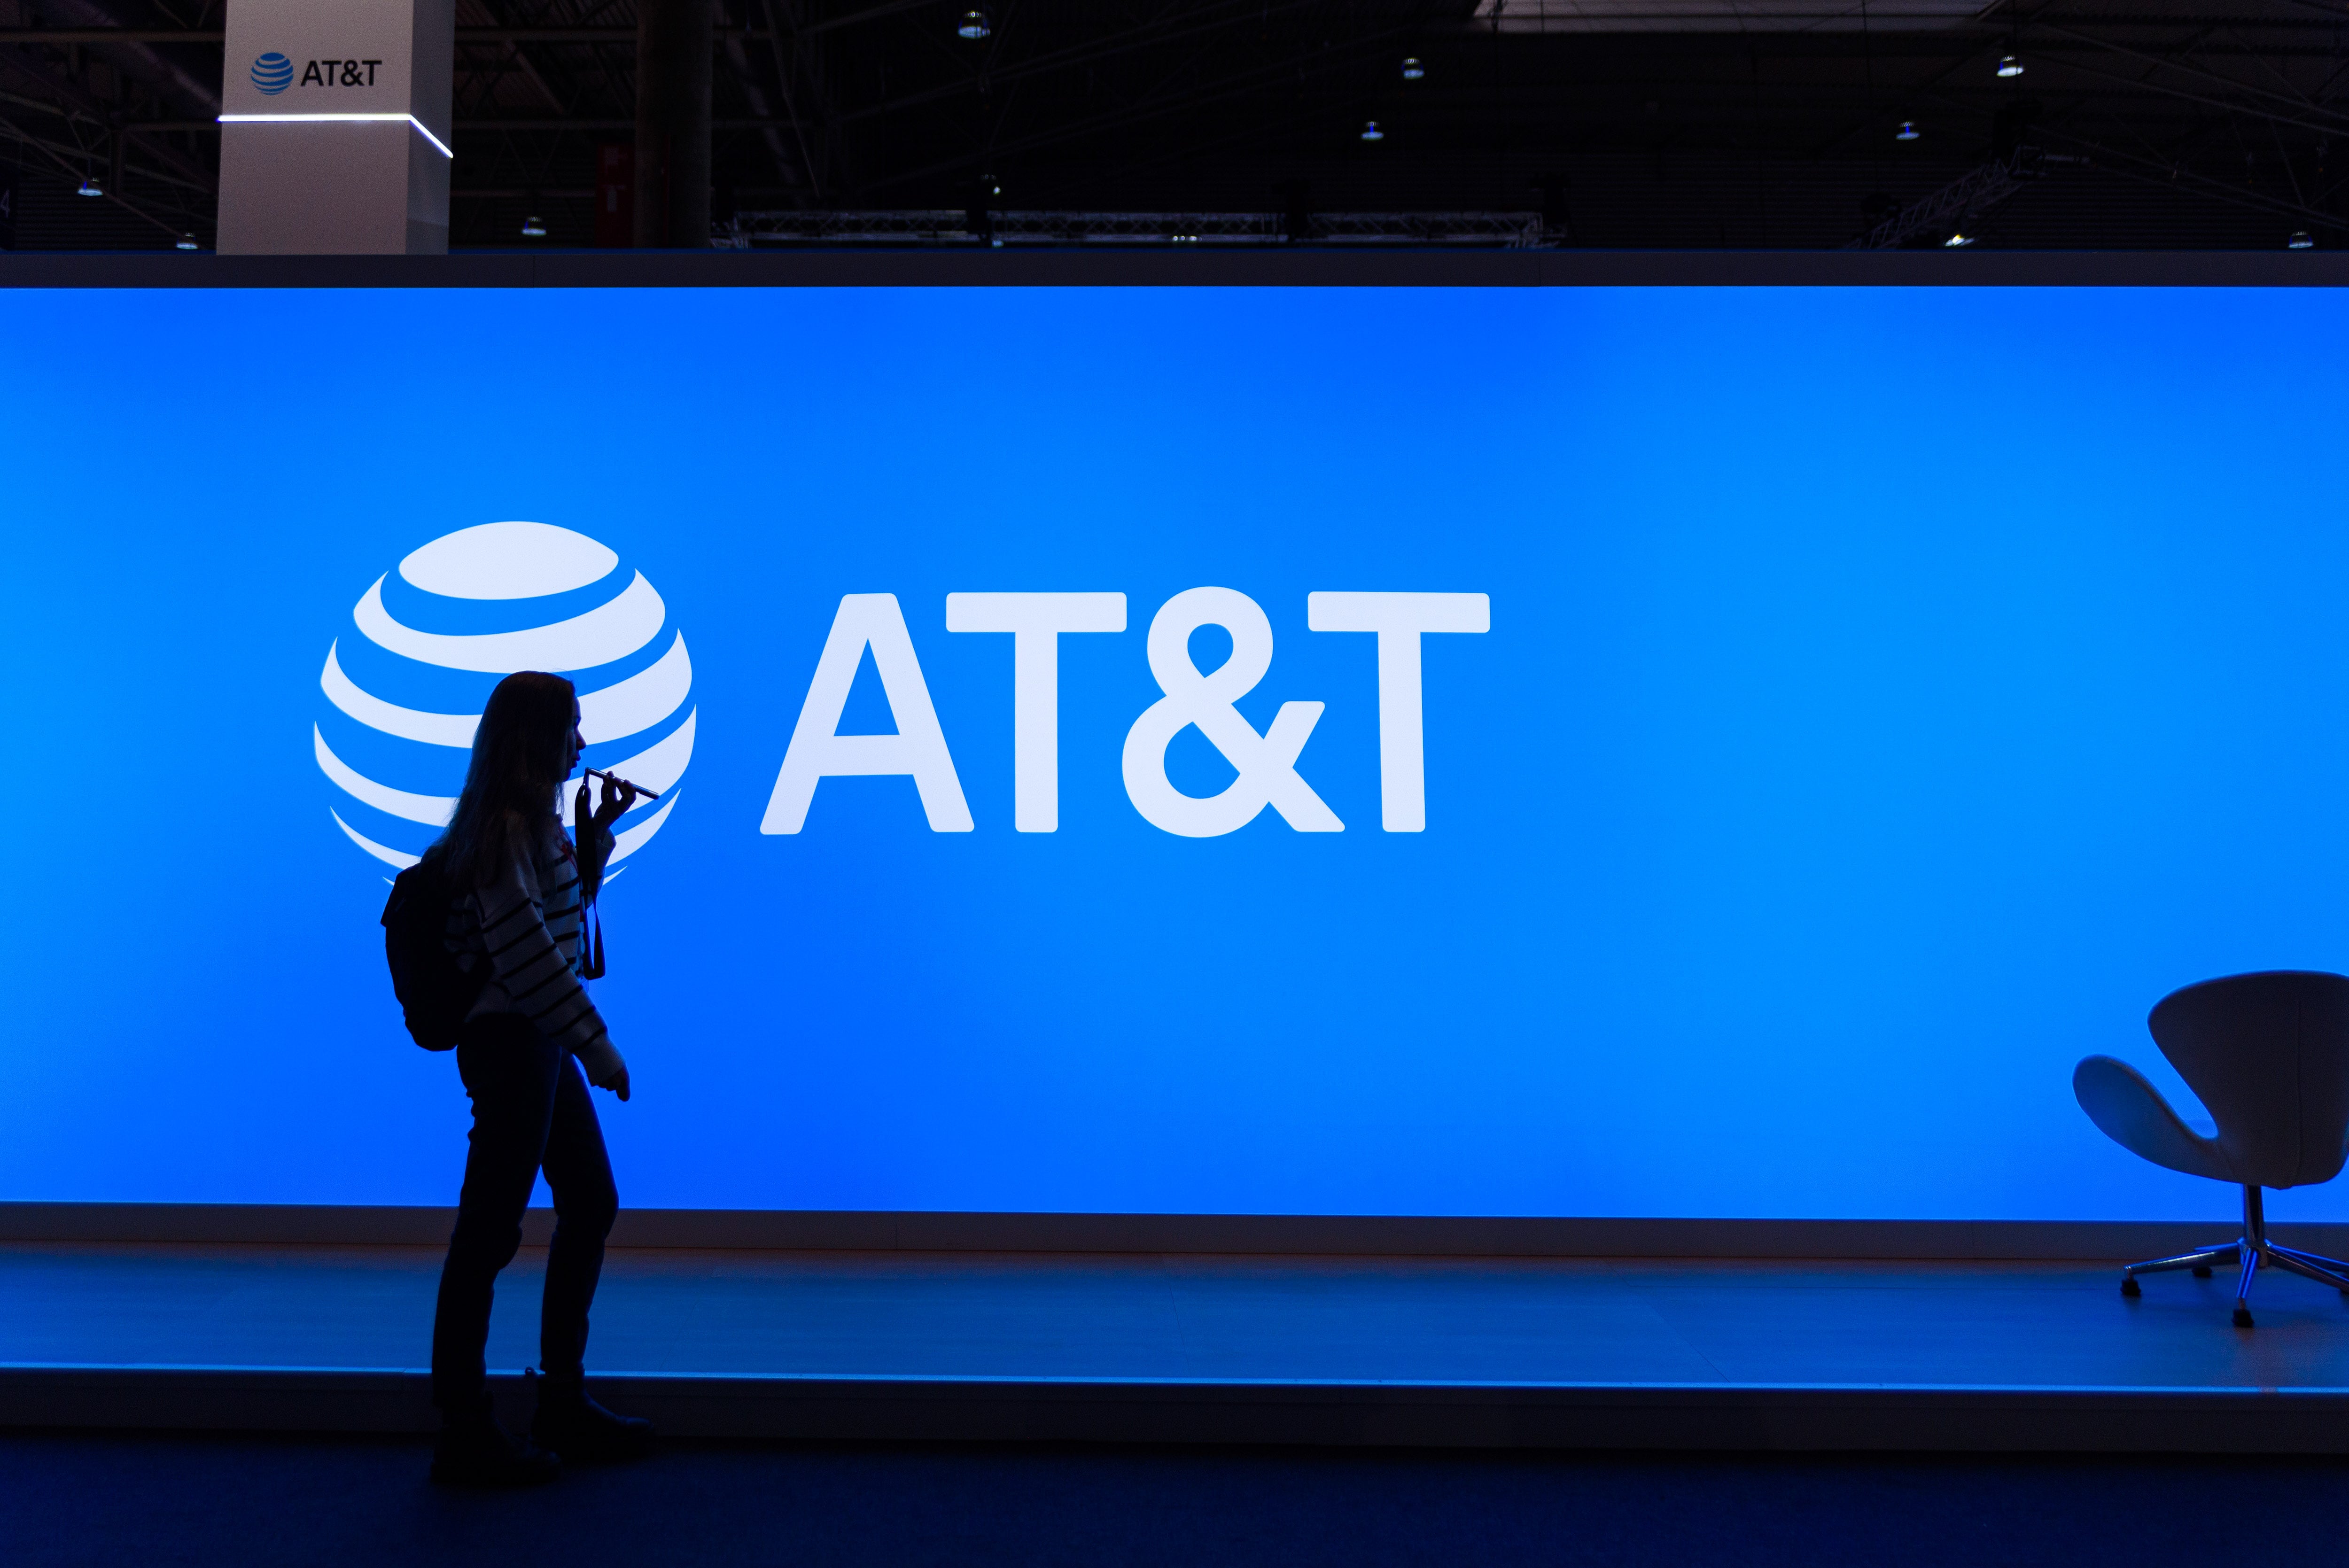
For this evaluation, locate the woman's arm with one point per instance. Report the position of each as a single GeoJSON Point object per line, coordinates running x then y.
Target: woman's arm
{"type": "Point", "coordinates": [534, 972]}
{"type": "Point", "coordinates": [593, 833]}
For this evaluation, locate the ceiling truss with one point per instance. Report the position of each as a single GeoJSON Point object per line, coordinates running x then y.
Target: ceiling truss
{"type": "Point", "coordinates": [1626, 122]}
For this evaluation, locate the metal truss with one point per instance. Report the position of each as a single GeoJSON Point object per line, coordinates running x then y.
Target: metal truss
{"type": "Point", "coordinates": [1490, 231]}
{"type": "Point", "coordinates": [1667, 130]}
{"type": "Point", "coordinates": [1947, 214]}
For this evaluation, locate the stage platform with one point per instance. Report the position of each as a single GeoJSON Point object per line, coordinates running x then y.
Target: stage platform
{"type": "Point", "coordinates": [1494, 1351]}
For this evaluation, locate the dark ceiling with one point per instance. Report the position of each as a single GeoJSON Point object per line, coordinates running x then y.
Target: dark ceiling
{"type": "Point", "coordinates": [1672, 123]}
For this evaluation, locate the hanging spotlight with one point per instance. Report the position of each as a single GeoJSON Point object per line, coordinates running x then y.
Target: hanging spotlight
{"type": "Point", "coordinates": [2008, 66]}
{"type": "Point", "coordinates": [1372, 132]}
{"type": "Point", "coordinates": [89, 187]}
{"type": "Point", "coordinates": [534, 228]}
{"type": "Point", "coordinates": [187, 243]}
{"type": "Point", "coordinates": [1907, 131]}
{"type": "Point", "coordinates": [1413, 70]}
{"type": "Point", "coordinates": [974, 24]}
{"type": "Point", "coordinates": [1957, 241]}
{"type": "Point", "coordinates": [2301, 240]}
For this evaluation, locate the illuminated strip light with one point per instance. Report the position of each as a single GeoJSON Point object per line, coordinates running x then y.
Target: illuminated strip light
{"type": "Point", "coordinates": [421, 130]}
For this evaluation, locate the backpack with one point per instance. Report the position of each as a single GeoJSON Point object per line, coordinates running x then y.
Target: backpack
{"type": "Point", "coordinates": [434, 993]}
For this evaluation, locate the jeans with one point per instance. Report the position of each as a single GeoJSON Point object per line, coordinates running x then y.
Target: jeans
{"type": "Point", "coordinates": [531, 1111]}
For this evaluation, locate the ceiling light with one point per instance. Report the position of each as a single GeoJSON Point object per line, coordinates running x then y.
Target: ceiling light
{"type": "Point", "coordinates": [1907, 131]}
{"type": "Point", "coordinates": [534, 228]}
{"type": "Point", "coordinates": [974, 24]}
{"type": "Point", "coordinates": [187, 243]}
{"type": "Point", "coordinates": [2301, 240]}
{"type": "Point", "coordinates": [2008, 66]}
{"type": "Point", "coordinates": [1957, 241]}
{"type": "Point", "coordinates": [89, 187]}
{"type": "Point", "coordinates": [1413, 70]}
{"type": "Point", "coordinates": [1372, 132]}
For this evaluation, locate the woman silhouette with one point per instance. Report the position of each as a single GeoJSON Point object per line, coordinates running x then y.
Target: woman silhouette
{"type": "Point", "coordinates": [517, 888]}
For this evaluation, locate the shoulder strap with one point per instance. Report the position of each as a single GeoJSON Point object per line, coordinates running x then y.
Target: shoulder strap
{"type": "Point", "coordinates": [591, 917]}
{"type": "Point", "coordinates": [592, 964]}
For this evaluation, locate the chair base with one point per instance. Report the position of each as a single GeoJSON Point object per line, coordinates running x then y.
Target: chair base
{"type": "Point", "coordinates": [2246, 1254]}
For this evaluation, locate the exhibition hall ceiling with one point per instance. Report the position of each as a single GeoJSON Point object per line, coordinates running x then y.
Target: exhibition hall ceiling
{"type": "Point", "coordinates": [2089, 123]}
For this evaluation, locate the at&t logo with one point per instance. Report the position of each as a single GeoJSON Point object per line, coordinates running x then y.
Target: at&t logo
{"type": "Point", "coordinates": [1266, 763]}
{"type": "Point", "coordinates": [273, 73]}
{"type": "Point", "coordinates": [404, 687]}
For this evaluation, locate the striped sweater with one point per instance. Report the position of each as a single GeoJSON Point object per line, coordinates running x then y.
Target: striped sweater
{"type": "Point", "coordinates": [525, 924]}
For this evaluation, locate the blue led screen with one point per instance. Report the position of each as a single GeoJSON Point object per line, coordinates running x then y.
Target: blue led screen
{"type": "Point", "coordinates": [1837, 712]}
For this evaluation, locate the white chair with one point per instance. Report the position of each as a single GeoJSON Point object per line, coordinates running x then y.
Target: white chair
{"type": "Point", "coordinates": [2268, 1054]}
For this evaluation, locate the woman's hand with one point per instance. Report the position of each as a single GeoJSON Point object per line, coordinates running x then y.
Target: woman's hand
{"type": "Point", "coordinates": [619, 797]}
{"type": "Point", "coordinates": [617, 1083]}
{"type": "Point", "coordinates": [594, 830]}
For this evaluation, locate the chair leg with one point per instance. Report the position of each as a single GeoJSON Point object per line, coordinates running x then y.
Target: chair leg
{"type": "Point", "coordinates": [2310, 1266]}
{"type": "Point", "coordinates": [2253, 1252]}
{"type": "Point", "coordinates": [2199, 1261]}
{"type": "Point", "coordinates": [2222, 1251]}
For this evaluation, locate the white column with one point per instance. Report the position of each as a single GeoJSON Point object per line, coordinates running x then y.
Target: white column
{"type": "Point", "coordinates": [335, 122]}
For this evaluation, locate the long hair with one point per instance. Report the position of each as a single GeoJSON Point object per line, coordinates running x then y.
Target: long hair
{"type": "Point", "coordinates": [509, 789]}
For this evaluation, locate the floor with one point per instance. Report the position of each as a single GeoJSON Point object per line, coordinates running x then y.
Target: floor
{"type": "Point", "coordinates": [101, 1499]}
{"type": "Point", "coordinates": [1510, 1352]}
{"type": "Point", "coordinates": [1989, 1324]}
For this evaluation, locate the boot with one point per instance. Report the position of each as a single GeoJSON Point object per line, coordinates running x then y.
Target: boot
{"type": "Point", "coordinates": [578, 1428]}
{"type": "Point", "coordinates": [474, 1451]}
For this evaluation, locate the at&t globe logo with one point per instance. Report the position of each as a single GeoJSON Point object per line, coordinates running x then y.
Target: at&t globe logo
{"type": "Point", "coordinates": [406, 684]}
{"type": "Point", "coordinates": [273, 73]}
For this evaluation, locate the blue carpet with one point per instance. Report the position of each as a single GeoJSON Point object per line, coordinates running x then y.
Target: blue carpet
{"type": "Point", "coordinates": [108, 1499]}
